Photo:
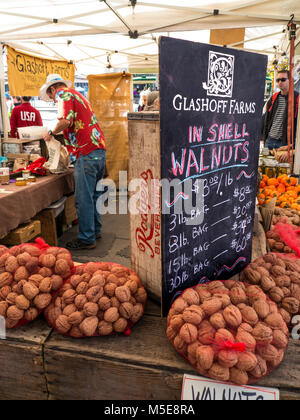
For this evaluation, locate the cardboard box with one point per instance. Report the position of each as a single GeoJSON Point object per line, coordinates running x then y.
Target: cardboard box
{"type": "Point", "coordinates": [23, 233]}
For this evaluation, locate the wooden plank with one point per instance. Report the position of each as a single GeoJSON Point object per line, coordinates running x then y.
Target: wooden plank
{"type": "Point", "coordinates": [141, 366]}
{"type": "Point", "coordinates": [22, 364]}
{"type": "Point", "coordinates": [23, 234]}
{"type": "Point", "coordinates": [145, 227]}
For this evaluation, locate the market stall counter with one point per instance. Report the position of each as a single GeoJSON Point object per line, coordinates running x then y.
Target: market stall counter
{"type": "Point", "coordinates": [39, 363]}
{"type": "Point", "coordinates": [20, 204]}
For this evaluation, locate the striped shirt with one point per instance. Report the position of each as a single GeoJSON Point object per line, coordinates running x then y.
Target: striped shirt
{"type": "Point", "coordinates": [276, 131]}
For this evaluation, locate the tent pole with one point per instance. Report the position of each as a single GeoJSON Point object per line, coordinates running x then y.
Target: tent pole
{"type": "Point", "coordinates": [290, 133]}
{"type": "Point", "coordinates": [3, 99]}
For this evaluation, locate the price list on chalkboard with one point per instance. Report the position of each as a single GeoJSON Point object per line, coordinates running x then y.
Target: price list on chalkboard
{"type": "Point", "coordinates": [211, 112]}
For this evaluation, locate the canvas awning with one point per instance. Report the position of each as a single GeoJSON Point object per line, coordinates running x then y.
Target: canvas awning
{"type": "Point", "coordinates": [100, 34]}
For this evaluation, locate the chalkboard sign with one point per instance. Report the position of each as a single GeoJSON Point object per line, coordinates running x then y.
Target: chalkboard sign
{"type": "Point", "coordinates": [211, 112]}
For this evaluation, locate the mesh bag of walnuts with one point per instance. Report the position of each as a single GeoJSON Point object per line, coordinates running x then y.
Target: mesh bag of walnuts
{"type": "Point", "coordinates": [278, 275]}
{"type": "Point", "coordinates": [99, 299]}
{"type": "Point", "coordinates": [29, 275]}
{"type": "Point", "coordinates": [228, 331]}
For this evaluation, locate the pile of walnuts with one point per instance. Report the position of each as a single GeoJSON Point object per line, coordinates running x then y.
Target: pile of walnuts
{"type": "Point", "coordinates": [99, 299]}
{"type": "Point", "coordinates": [28, 278]}
{"type": "Point", "coordinates": [228, 331]}
{"type": "Point", "coordinates": [279, 277]}
{"type": "Point", "coordinates": [275, 242]}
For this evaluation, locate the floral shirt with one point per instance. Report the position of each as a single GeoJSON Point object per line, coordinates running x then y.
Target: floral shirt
{"type": "Point", "coordinates": [84, 133]}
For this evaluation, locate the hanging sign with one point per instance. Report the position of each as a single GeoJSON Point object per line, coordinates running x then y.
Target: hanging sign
{"type": "Point", "coordinates": [27, 73]}
{"type": "Point", "coordinates": [202, 389]}
{"type": "Point", "coordinates": [211, 111]}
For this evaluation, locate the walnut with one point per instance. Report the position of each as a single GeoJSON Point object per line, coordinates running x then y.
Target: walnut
{"type": "Point", "coordinates": [91, 267]}
{"type": "Point", "coordinates": [268, 352]}
{"type": "Point", "coordinates": [276, 294]}
{"type": "Point", "coordinates": [233, 316]}
{"type": "Point", "coordinates": [206, 333]}
{"type": "Point", "coordinates": [104, 303]}
{"type": "Point", "coordinates": [111, 278]}
{"type": "Point", "coordinates": [215, 286]}
{"type": "Point", "coordinates": [255, 293]}
{"type": "Point", "coordinates": [211, 306]}
{"type": "Point", "coordinates": [109, 289]}
{"type": "Point", "coordinates": [123, 294]}
{"type": "Point", "coordinates": [223, 335]}
{"type": "Point", "coordinates": [247, 361]}
{"type": "Point", "coordinates": [191, 297]}
{"type": "Point", "coordinates": [180, 345]}
{"type": "Point", "coordinates": [97, 280]}
{"type": "Point", "coordinates": [42, 301]}
{"type": "Point", "coordinates": [274, 321]}
{"type": "Point", "coordinates": [21, 274]}
{"type": "Point", "coordinates": [280, 340]}
{"type": "Point", "coordinates": [14, 313]}
{"type": "Point", "coordinates": [90, 309]}
{"type": "Point", "coordinates": [6, 279]}
{"type": "Point", "coordinates": [89, 326]}
{"type": "Point", "coordinates": [69, 309]}
{"type": "Point", "coordinates": [3, 308]}
{"type": "Point", "coordinates": [69, 296]}
{"type": "Point", "coordinates": [11, 298]}
{"type": "Point", "coordinates": [47, 260]}
{"type": "Point", "coordinates": [267, 283]}
{"type": "Point", "coordinates": [285, 315]}
{"type": "Point", "coordinates": [111, 315]}
{"type": "Point", "coordinates": [52, 313]}
{"type": "Point", "coordinates": [62, 268]}
{"type": "Point", "coordinates": [225, 299]}
{"type": "Point", "coordinates": [238, 377]}
{"type": "Point", "coordinates": [252, 275]}
{"type": "Point", "coordinates": [4, 292]}
{"type": "Point", "coordinates": [132, 286]}
{"type": "Point", "coordinates": [62, 324]}
{"type": "Point", "coordinates": [193, 314]}
{"type": "Point", "coordinates": [219, 372]}
{"type": "Point", "coordinates": [46, 285]}
{"type": "Point", "coordinates": [94, 294]}
{"type": "Point", "coordinates": [36, 279]}
{"type": "Point", "coordinates": [205, 357]}
{"type": "Point", "coordinates": [192, 352]}
{"type": "Point", "coordinates": [291, 305]}
{"type": "Point", "coordinates": [217, 321]}
{"type": "Point", "coordinates": [11, 264]}
{"type": "Point", "coordinates": [203, 293]}
{"type": "Point", "coordinates": [171, 334]}
{"type": "Point", "coordinates": [57, 282]}
{"type": "Point", "coordinates": [76, 318]}
{"type": "Point", "coordinates": [138, 312]}
{"type": "Point", "coordinates": [31, 314]}
{"type": "Point", "coordinates": [179, 305]}
{"type": "Point", "coordinates": [45, 272]}
{"type": "Point", "coordinates": [82, 288]}
{"type": "Point", "coordinates": [75, 280]}
{"type": "Point", "coordinates": [261, 368]}
{"type": "Point", "coordinates": [277, 271]}
{"type": "Point", "coordinates": [32, 265]}
{"type": "Point", "coordinates": [188, 333]}
{"type": "Point", "coordinates": [30, 290]}
{"type": "Point", "coordinates": [227, 358]}
{"type": "Point", "coordinates": [22, 303]}
{"type": "Point", "coordinates": [249, 315]}
{"type": "Point", "coordinates": [140, 295]}
{"type": "Point", "coordinates": [66, 257]}
{"type": "Point", "coordinates": [247, 339]}
{"type": "Point", "coordinates": [237, 295]}
{"type": "Point", "coordinates": [262, 308]}
{"type": "Point", "coordinates": [244, 327]}
{"type": "Point", "coordinates": [105, 328]}
{"type": "Point", "coordinates": [120, 325]}
{"type": "Point", "coordinates": [126, 310]}
{"type": "Point", "coordinates": [262, 334]}
{"type": "Point", "coordinates": [75, 332]}
{"type": "Point", "coordinates": [80, 301]}
{"type": "Point", "coordinates": [176, 322]}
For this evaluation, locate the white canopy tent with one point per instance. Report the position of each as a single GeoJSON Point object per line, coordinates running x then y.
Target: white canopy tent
{"type": "Point", "coordinates": [101, 34]}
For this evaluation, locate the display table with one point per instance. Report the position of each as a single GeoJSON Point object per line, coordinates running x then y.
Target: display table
{"type": "Point", "coordinates": [19, 204]}
{"type": "Point", "coordinates": [38, 363]}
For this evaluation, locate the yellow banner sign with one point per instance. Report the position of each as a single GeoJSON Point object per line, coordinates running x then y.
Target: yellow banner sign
{"type": "Point", "coordinates": [27, 73]}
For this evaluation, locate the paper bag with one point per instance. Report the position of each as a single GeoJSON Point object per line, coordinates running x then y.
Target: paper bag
{"type": "Point", "coordinates": [59, 160]}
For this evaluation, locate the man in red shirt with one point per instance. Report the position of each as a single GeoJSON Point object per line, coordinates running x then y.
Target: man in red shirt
{"type": "Point", "coordinates": [85, 141]}
{"type": "Point", "coordinates": [24, 115]}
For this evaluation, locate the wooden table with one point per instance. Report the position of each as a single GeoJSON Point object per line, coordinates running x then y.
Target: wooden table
{"type": "Point", "coordinates": [20, 204]}
{"type": "Point", "coordinates": [41, 364]}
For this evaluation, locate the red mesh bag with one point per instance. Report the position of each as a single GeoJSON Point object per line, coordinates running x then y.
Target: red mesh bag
{"type": "Point", "coordinates": [29, 276]}
{"type": "Point", "coordinates": [228, 331]}
{"type": "Point", "coordinates": [279, 274]}
{"type": "Point", "coordinates": [99, 299]}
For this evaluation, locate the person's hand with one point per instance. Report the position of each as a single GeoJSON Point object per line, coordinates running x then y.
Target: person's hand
{"type": "Point", "coordinates": [283, 157]}
{"type": "Point", "coordinates": [283, 149]}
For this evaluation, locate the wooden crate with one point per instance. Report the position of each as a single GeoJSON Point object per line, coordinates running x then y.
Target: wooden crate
{"type": "Point", "coordinates": [48, 226]}
{"type": "Point", "coordinates": [69, 214]}
{"type": "Point", "coordinates": [145, 229]}
{"type": "Point", "coordinates": [23, 233]}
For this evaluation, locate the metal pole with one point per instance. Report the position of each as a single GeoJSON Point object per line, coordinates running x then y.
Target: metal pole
{"type": "Point", "coordinates": [3, 99]}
